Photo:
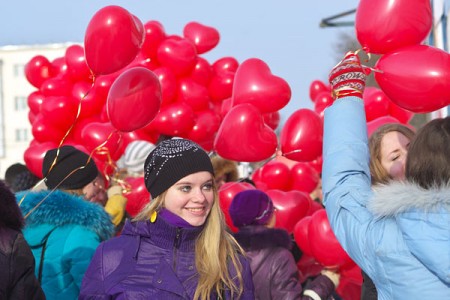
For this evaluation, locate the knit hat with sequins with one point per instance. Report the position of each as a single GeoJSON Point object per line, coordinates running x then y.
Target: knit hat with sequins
{"type": "Point", "coordinates": [172, 160]}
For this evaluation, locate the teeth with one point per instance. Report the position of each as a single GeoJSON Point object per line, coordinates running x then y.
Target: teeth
{"type": "Point", "coordinates": [196, 209]}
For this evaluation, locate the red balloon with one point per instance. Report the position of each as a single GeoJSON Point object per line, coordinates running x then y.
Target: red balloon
{"type": "Point", "coordinates": [226, 194]}
{"type": "Point", "coordinates": [134, 99]}
{"type": "Point", "coordinates": [245, 123]}
{"type": "Point", "coordinates": [38, 70]}
{"type": "Point", "coordinates": [374, 124]}
{"type": "Point", "coordinates": [324, 245]}
{"type": "Point", "coordinates": [416, 78]}
{"type": "Point", "coordinates": [204, 37]}
{"type": "Point", "coordinates": [137, 195]}
{"type": "Point", "coordinates": [322, 101]}
{"type": "Point", "coordinates": [174, 119]}
{"type": "Point", "coordinates": [291, 207]}
{"type": "Point", "coordinates": [193, 94]}
{"type": "Point", "coordinates": [317, 164]}
{"type": "Point", "coordinates": [221, 86]}
{"type": "Point", "coordinates": [202, 72]}
{"type": "Point", "coordinates": [56, 86]}
{"type": "Point", "coordinates": [302, 135]}
{"type": "Point", "coordinates": [60, 111]}
{"type": "Point", "coordinates": [35, 100]}
{"type": "Point", "coordinates": [386, 25]}
{"type": "Point", "coordinates": [275, 175]}
{"type": "Point", "coordinates": [44, 131]}
{"type": "Point", "coordinates": [60, 69]}
{"type": "Point", "coordinates": [104, 139]}
{"type": "Point", "coordinates": [76, 63]}
{"type": "Point", "coordinates": [376, 103]}
{"type": "Point", "coordinates": [179, 55]}
{"type": "Point", "coordinates": [301, 235]}
{"type": "Point", "coordinates": [304, 178]}
{"type": "Point", "coordinates": [207, 123]}
{"type": "Point", "coordinates": [316, 87]}
{"type": "Point", "coordinates": [401, 114]}
{"type": "Point", "coordinates": [228, 63]}
{"type": "Point", "coordinates": [34, 156]}
{"type": "Point", "coordinates": [169, 84]}
{"type": "Point", "coordinates": [113, 39]}
{"type": "Point", "coordinates": [272, 119]}
{"type": "Point", "coordinates": [154, 36]}
{"type": "Point", "coordinates": [255, 84]}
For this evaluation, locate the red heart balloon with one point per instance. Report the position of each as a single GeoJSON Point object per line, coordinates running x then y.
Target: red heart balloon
{"type": "Point", "coordinates": [35, 100]}
{"type": "Point", "coordinates": [226, 194]}
{"type": "Point", "coordinates": [38, 70]}
{"type": "Point", "coordinates": [104, 139]}
{"type": "Point", "coordinates": [175, 119]}
{"type": "Point", "coordinates": [204, 37]}
{"type": "Point", "coordinates": [301, 235]}
{"type": "Point", "coordinates": [275, 175]}
{"type": "Point", "coordinates": [134, 99]}
{"type": "Point", "coordinates": [202, 72]}
{"type": "Point", "coordinates": [113, 39]}
{"type": "Point", "coordinates": [193, 94]}
{"type": "Point", "coordinates": [76, 63]}
{"type": "Point", "coordinates": [221, 86]}
{"type": "Point", "coordinates": [422, 86]}
{"type": "Point", "coordinates": [304, 178]}
{"type": "Point", "coordinates": [374, 124]}
{"type": "Point", "coordinates": [228, 63]}
{"type": "Point", "coordinates": [207, 123]}
{"type": "Point", "coordinates": [272, 119]}
{"type": "Point", "coordinates": [169, 84]}
{"type": "Point", "coordinates": [291, 207]}
{"type": "Point", "coordinates": [34, 155]}
{"type": "Point", "coordinates": [316, 87]}
{"type": "Point", "coordinates": [44, 131]}
{"type": "Point", "coordinates": [401, 114]}
{"type": "Point", "coordinates": [376, 103]}
{"type": "Point", "coordinates": [154, 36]}
{"type": "Point", "coordinates": [179, 55]}
{"type": "Point", "coordinates": [409, 24]}
{"type": "Point", "coordinates": [137, 195]}
{"type": "Point", "coordinates": [302, 135]}
{"type": "Point", "coordinates": [260, 140]}
{"type": "Point", "coordinates": [322, 101]}
{"type": "Point", "coordinates": [60, 111]}
{"type": "Point", "coordinates": [324, 245]}
{"type": "Point", "coordinates": [255, 84]}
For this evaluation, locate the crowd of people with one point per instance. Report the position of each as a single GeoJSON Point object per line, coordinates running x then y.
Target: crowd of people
{"type": "Point", "coordinates": [68, 235]}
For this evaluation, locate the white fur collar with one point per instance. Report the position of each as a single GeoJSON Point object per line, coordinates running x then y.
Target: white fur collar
{"type": "Point", "coordinates": [397, 197]}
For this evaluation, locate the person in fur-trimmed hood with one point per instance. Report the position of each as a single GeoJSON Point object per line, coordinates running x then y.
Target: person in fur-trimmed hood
{"type": "Point", "coordinates": [399, 232]}
{"type": "Point", "coordinates": [275, 273]}
{"type": "Point", "coordinates": [224, 170]}
{"type": "Point", "coordinates": [62, 228]}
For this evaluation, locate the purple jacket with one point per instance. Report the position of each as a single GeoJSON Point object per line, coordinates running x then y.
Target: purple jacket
{"type": "Point", "coordinates": [275, 273]}
{"type": "Point", "coordinates": [149, 261]}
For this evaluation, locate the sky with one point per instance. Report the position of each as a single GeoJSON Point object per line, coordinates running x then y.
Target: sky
{"type": "Point", "coordinates": [285, 34]}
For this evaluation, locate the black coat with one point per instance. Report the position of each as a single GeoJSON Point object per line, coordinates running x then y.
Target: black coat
{"type": "Point", "coordinates": [17, 278]}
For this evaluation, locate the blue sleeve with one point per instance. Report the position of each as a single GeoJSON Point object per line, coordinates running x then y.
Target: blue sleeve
{"type": "Point", "coordinates": [346, 176]}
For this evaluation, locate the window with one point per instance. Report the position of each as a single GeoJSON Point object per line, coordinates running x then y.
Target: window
{"type": "Point", "coordinates": [20, 103]}
{"type": "Point", "coordinates": [21, 135]}
{"type": "Point", "coordinates": [19, 70]}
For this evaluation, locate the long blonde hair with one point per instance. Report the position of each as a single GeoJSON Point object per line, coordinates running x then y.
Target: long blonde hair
{"type": "Point", "coordinates": [215, 248]}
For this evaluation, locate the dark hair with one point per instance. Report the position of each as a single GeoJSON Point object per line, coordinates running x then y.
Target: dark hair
{"type": "Point", "coordinates": [428, 161]}
{"type": "Point", "coordinates": [10, 214]}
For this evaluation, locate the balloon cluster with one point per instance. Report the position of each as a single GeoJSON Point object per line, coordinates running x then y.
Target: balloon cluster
{"type": "Point", "coordinates": [414, 76]}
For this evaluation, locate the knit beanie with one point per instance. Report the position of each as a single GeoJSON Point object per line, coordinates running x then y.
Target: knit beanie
{"type": "Point", "coordinates": [172, 160]}
{"type": "Point", "coordinates": [135, 155]}
{"type": "Point", "coordinates": [251, 207]}
{"type": "Point", "coordinates": [68, 160]}
{"type": "Point", "coordinates": [19, 178]}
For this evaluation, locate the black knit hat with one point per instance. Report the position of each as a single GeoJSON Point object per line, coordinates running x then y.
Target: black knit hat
{"type": "Point", "coordinates": [172, 160]}
{"type": "Point", "coordinates": [69, 159]}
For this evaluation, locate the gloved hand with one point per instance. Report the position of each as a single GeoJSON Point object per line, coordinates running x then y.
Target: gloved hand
{"type": "Point", "coordinates": [348, 77]}
{"type": "Point", "coordinates": [116, 204]}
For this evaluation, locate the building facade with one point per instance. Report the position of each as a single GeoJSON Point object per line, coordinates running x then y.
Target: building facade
{"type": "Point", "coordinates": [15, 127]}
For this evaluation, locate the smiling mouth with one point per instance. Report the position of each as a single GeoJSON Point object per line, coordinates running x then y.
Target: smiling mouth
{"type": "Point", "coordinates": [196, 210]}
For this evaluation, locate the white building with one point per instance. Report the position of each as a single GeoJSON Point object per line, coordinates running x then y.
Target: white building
{"type": "Point", "coordinates": [15, 128]}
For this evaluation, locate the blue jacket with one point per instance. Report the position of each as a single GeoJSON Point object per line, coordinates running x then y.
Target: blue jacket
{"type": "Point", "coordinates": [398, 234]}
{"type": "Point", "coordinates": [75, 228]}
{"type": "Point", "coordinates": [149, 261]}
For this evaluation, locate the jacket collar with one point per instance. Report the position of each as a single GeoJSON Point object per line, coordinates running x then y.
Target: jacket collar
{"type": "Point", "coordinates": [398, 197]}
{"type": "Point", "coordinates": [256, 237]}
{"type": "Point", "coordinates": [60, 208]}
{"type": "Point", "coordinates": [164, 234]}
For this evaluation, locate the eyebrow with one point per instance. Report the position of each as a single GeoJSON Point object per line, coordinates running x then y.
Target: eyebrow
{"type": "Point", "coordinates": [189, 182]}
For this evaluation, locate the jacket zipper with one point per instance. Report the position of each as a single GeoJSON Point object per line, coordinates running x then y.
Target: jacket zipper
{"type": "Point", "coordinates": [176, 246]}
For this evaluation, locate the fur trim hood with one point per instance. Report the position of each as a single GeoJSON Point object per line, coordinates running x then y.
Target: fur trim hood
{"type": "Point", "coordinates": [260, 237]}
{"type": "Point", "coordinates": [61, 208]}
{"type": "Point", "coordinates": [223, 166]}
{"type": "Point", "coordinates": [398, 197]}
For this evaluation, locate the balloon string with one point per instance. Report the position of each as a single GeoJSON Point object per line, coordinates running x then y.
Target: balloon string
{"type": "Point", "coordinates": [369, 56]}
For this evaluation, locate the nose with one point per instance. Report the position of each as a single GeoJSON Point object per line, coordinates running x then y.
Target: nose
{"type": "Point", "coordinates": [198, 195]}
